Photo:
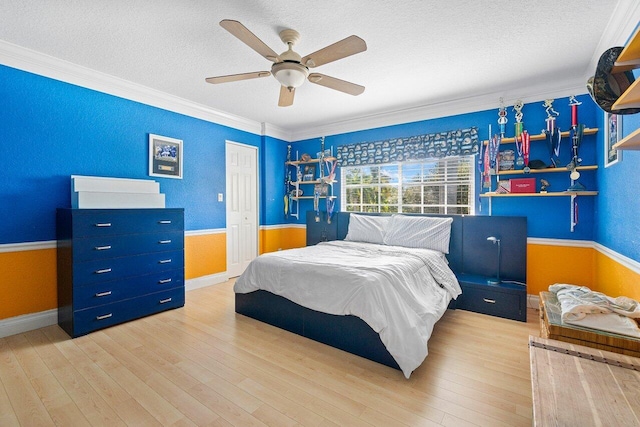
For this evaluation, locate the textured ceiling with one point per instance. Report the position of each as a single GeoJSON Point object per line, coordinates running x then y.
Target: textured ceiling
{"type": "Point", "coordinates": [421, 54]}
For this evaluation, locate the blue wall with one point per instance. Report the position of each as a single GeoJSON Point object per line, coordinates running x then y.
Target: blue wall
{"type": "Point", "coordinates": [50, 130]}
{"type": "Point", "coordinates": [272, 183]}
{"type": "Point", "coordinates": [618, 205]}
{"type": "Point", "coordinates": [547, 217]}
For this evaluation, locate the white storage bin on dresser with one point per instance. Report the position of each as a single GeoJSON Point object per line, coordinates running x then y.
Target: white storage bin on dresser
{"type": "Point", "coordinates": [116, 265]}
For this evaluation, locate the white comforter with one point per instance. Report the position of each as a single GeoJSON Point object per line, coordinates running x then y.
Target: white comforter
{"type": "Point", "coordinates": [395, 290]}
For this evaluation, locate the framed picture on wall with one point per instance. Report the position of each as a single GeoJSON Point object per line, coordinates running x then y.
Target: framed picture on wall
{"type": "Point", "coordinates": [165, 157]}
{"type": "Point", "coordinates": [613, 134]}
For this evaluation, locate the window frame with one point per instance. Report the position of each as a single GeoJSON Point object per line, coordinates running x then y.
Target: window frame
{"type": "Point", "coordinates": [445, 181]}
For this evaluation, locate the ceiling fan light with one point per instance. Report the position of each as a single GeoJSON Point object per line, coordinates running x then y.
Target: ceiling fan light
{"type": "Point", "coordinates": [290, 74]}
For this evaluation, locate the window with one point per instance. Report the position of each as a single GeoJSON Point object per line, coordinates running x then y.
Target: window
{"type": "Point", "coordinates": [441, 186]}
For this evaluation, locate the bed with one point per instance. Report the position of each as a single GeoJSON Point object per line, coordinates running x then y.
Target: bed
{"type": "Point", "coordinates": [333, 292]}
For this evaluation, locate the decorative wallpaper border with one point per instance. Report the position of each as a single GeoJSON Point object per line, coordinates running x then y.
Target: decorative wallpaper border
{"type": "Point", "coordinates": [433, 145]}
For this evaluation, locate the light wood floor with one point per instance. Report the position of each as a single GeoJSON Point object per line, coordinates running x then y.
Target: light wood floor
{"type": "Point", "coordinates": [205, 365]}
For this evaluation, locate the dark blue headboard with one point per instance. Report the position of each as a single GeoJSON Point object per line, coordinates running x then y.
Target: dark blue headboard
{"type": "Point", "coordinates": [469, 250]}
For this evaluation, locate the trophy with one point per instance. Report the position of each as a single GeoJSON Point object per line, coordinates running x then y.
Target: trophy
{"type": "Point", "coordinates": [552, 132]}
{"type": "Point", "coordinates": [502, 118]}
{"type": "Point", "coordinates": [577, 131]}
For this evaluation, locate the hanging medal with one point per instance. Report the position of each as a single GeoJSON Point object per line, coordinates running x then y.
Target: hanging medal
{"type": "Point", "coordinates": [553, 134]}
{"type": "Point", "coordinates": [519, 126]}
{"type": "Point", "coordinates": [494, 143]}
{"type": "Point", "coordinates": [330, 205]}
{"type": "Point", "coordinates": [576, 138]}
{"type": "Point", "coordinates": [487, 177]}
{"type": "Point", "coordinates": [316, 203]}
{"type": "Point", "coordinates": [526, 145]}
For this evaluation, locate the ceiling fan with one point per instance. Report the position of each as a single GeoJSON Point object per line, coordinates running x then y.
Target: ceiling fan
{"type": "Point", "coordinates": [289, 68]}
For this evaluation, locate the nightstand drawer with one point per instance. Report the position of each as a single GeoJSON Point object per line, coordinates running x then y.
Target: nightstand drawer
{"type": "Point", "coordinates": [130, 287]}
{"type": "Point", "coordinates": [491, 301]}
{"type": "Point", "coordinates": [109, 269]}
{"type": "Point", "coordinates": [92, 319]}
{"type": "Point", "coordinates": [109, 222]}
{"type": "Point", "coordinates": [93, 248]}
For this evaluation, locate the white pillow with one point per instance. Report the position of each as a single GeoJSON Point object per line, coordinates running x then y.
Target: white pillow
{"type": "Point", "coordinates": [419, 232]}
{"type": "Point", "coordinates": [367, 229]}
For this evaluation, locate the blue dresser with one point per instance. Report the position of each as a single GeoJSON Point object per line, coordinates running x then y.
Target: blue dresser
{"type": "Point", "coordinates": [115, 265]}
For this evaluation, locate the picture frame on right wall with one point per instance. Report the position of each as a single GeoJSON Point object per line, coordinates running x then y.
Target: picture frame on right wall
{"type": "Point", "coordinates": [613, 134]}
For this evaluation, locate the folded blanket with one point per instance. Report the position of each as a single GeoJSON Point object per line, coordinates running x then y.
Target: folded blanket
{"type": "Point", "coordinates": [583, 307]}
{"type": "Point", "coordinates": [578, 301]}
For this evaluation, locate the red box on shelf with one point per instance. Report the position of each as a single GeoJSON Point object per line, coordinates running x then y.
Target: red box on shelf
{"type": "Point", "coordinates": [523, 185]}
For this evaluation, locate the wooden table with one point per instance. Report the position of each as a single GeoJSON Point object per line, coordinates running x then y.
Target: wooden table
{"type": "Point", "coordinates": [574, 385]}
{"type": "Point", "coordinates": [552, 326]}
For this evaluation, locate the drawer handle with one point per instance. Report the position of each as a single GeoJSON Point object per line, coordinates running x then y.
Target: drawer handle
{"type": "Point", "coordinates": [164, 242]}
{"type": "Point", "coordinates": [103, 248]}
{"type": "Point", "coordinates": [490, 301]}
{"type": "Point", "coordinates": [163, 281]}
{"type": "Point", "coordinates": [103, 294]}
{"type": "Point", "coordinates": [104, 316]}
{"type": "Point", "coordinates": [103, 224]}
{"type": "Point", "coordinates": [164, 301]}
{"type": "Point", "coordinates": [104, 270]}
{"type": "Point", "coordinates": [164, 221]}
{"type": "Point", "coordinates": [164, 261]}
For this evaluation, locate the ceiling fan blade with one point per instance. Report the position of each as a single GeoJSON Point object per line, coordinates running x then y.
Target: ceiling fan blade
{"type": "Point", "coordinates": [337, 84]}
{"type": "Point", "coordinates": [347, 47]}
{"type": "Point", "coordinates": [237, 77]}
{"type": "Point", "coordinates": [250, 39]}
{"type": "Point", "coordinates": [286, 96]}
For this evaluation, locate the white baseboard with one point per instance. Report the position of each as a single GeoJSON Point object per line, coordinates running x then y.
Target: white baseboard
{"type": "Point", "coordinates": [203, 281]}
{"type": "Point", "coordinates": [28, 322]}
{"type": "Point", "coordinates": [533, 301]}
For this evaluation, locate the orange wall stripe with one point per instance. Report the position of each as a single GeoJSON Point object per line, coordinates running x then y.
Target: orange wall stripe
{"type": "Point", "coordinates": [29, 283]}
{"type": "Point", "coordinates": [615, 279]}
{"type": "Point", "coordinates": [274, 239]}
{"type": "Point", "coordinates": [549, 264]}
{"type": "Point", "coordinates": [205, 254]}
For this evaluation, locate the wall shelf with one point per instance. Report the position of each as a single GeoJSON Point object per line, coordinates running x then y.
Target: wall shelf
{"type": "Point", "coordinates": [549, 194]}
{"type": "Point", "coordinates": [630, 56]}
{"type": "Point", "coordinates": [312, 197]}
{"type": "Point", "coordinates": [300, 162]}
{"type": "Point", "coordinates": [630, 98]}
{"type": "Point", "coordinates": [630, 142]}
{"type": "Point", "coordinates": [629, 59]}
{"type": "Point", "coordinates": [542, 136]}
{"type": "Point", "coordinates": [315, 181]}
{"type": "Point", "coordinates": [545, 170]}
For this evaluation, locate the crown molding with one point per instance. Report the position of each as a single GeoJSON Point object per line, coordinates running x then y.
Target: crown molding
{"type": "Point", "coordinates": [24, 59]}
{"type": "Point", "coordinates": [622, 24]}
{"type": "Point", "coordinates": [273, 131]}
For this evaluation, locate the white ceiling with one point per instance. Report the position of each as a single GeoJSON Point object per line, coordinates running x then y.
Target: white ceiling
{"type": "Point", "coordinates": [424, 58]}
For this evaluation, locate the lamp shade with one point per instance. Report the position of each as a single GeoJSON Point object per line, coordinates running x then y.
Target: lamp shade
{"type": "Point", "coordinates": [290, 74]}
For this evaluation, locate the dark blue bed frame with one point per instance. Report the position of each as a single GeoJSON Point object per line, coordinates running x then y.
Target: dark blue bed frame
{"type": "Point", "coordinates": [469, 255]}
